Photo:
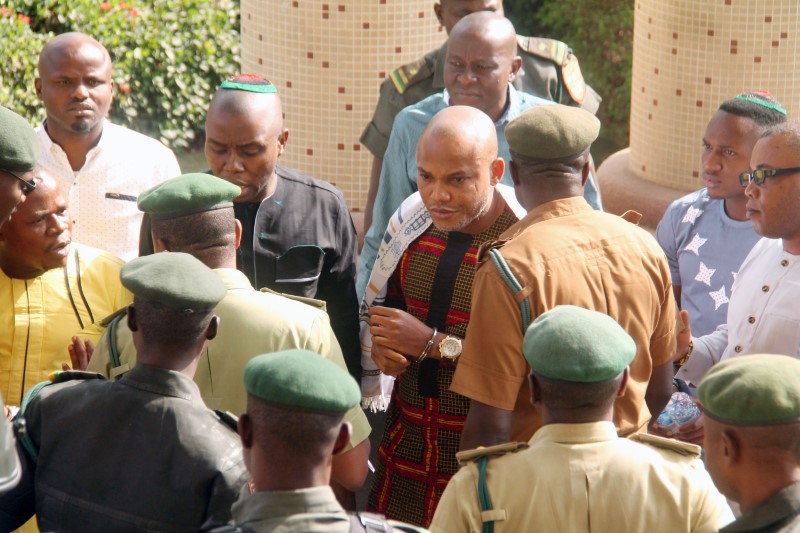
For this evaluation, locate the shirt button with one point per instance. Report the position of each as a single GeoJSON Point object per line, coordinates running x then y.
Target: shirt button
{"type": "Point", "coordinates": [752, 319]}
{"type": "Point", "coordinates": [737, 349]}
{"type": "Point", "coordinates": [784, 263]}
{"type": "Point", "coordinates": [765, 288]}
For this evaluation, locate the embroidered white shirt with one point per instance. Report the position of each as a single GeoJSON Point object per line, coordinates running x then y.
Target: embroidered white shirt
{"type": "Point", "coordinates": [763, 312]}
{"type": "Point", "coordinates": [102, 195]}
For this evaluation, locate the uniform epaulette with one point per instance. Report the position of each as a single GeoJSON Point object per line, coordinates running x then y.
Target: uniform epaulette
{"type": "Point", "coordinates": [560, 54]}
{"type": "Point", "coordinates": [485, 248]}
{"type": "Point", "coordinates": [631, 216]}
{"type": "Point", "coordinates": [549, 49]}
{"type": "Point", "coordinates": [228, 418]}
{"type": "Point", "coordinates": [110, 318]}
{"type": "Point", "coordinates": [59, 376]}
{"type": "Point", "coordinates": [470, 456]}
{"type": "Point", "coordinates": [682, 448]}
{"type": "Point", "coordinates": [313, 302]}
{"type": "Point", "coordinates": [407, 75]}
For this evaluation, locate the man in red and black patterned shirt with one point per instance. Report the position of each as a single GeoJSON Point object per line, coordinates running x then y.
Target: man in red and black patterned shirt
{"type": "Point", "coordinates": [416, 333]}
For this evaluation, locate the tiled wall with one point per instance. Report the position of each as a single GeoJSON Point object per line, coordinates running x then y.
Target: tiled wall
{"type": "Point", "coordinates": [689, 56]}
{"type": "Point", "coordinates": [328, 60]}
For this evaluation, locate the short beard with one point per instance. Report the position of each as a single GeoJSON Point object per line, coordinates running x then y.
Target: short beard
{"type": "Point", "coordinates": [483, 208]}
{"type": "Point", "coordinates": [82, 126]}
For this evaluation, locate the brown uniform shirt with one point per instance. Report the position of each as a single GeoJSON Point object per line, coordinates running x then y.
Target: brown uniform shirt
{"type": "Point", "coordinates": [549, 70]}
{"type": "Point", "coordinates": [564, 252]}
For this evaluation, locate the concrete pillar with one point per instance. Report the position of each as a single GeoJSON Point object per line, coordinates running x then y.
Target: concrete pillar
{"type": "Point", "coordinates": [327, 60]}
{"type": "Point", "coordinates": [689, 56]}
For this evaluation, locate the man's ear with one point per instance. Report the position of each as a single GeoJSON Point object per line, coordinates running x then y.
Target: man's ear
{"type": "Point", "coordinates": [731, 447]}
{"type": "Point", "coordinates": [282, 138]}
{"type": "Point", "coordinates": [160, 245]}
{"type": "Point", "coordinates": [496, 169]}
{"type": "Point", "coordinates": [516, 64]}
{"type": "Point", "coordinates": [238, 232]}
{"type": "Point", "coordinates": [587, 168]}
{"type": "Point", "coordinates": [245, 430]}
{"type": "Point", "coordinates": [437, 8]}
{"type": "Point", "coordinates": [132, 318]}
{"type": "Point", "coordinates": [343, 438]}
{"type": "Point", "coordinates": [213, 326]}
{"type": "Point", "coordinates": [37, 84]}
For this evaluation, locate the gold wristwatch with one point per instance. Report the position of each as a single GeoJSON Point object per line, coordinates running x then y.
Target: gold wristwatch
{"type": "Point", "coordinates": [450, 348]}
{"type": "Point", "coordinates": [683, 360]}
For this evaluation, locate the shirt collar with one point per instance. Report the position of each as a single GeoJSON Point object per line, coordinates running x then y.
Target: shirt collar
{"type": "Point", "coordinates": [275, 504]}
{"type": "Point", "coordinates": [770, 512]}
{"type": "Point", "coordinates": [233, 278]}
{"type": "Point", "coordinates": [162, 381]}
{"type": "Point", "coordinates": [575, 433]}
{"type": "Point", "coordinates": [104, 141]}
{"type": "Point", "coordinates": [511, 111]}
{"type": "Point", "coordinates": [555, 209]}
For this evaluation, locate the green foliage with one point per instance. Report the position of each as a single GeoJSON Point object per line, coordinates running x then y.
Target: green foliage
{"type": "Point", "coordinates": [600, 32]}
{"type": "Point", "coordinates": [168, 56]}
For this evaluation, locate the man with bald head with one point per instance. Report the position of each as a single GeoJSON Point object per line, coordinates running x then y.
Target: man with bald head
{"type": "Point", "coordinates": [50, 290]}
{"type": "Point", "coordinates": [101, 167]}
{"type": "Point", "coordinates": [562, 252]}
{"type": "Point", "coordinates": [549, 70]}
{"type": "Point", "coordinates": [480, 68]}
{"type": "Point", "coordinates": [297, 234]}
{"type": "Point", "coordinates": [417, 308]}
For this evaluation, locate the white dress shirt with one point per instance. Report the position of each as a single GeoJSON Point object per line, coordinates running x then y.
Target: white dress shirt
{"type": "Point", "coordinates": [763, 312]}
{"type": "Point", "coordinates": [102, 195]}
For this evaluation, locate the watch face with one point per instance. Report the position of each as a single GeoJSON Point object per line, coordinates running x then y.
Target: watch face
{"type": "Point", "coordinates": [450, 348]}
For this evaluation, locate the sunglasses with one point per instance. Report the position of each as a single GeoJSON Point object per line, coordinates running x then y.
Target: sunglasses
{"type": "Point", "coordinates": [758, 176]}
{"type": "Point", "coordinates": [27, 186]}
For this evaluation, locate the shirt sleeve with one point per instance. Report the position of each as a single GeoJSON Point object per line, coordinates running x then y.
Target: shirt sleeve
{"type": "Point", "coordinates": [491, 368]}
{"type": "Point", "coordinates": [337, 287]}
{"type": "Point", "coordinates": [662, 340]}
{"type": "Point", "coordinates": [665, 235]}
{"type": "Point", "coordinates": [706, 353]}
{"type": "Point", "coordinates": [376, 134]}
{"type": "Point", "coordinates": [458, 509]}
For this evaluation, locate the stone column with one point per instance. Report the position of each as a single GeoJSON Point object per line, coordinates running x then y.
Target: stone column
{"type": "Point", "coordinates": [327, 60]}
{"type": "Point", "coordinates": [689, 56]}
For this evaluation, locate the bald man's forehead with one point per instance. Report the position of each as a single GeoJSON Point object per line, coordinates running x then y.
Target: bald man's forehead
{"type": "Point", "coordinates": [72, 45]}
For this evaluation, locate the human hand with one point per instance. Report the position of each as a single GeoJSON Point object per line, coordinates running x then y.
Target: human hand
{"type": "Point", "coordinates": [80, 353]}
{"type": "Point", "coordinates": [389, 361]}
{"type": "Point", "coordinates": [693, 432]}
{"type": "Point", "coordinates": [398, 330]}
{"type": "Point", "coordinates": [683, 337]}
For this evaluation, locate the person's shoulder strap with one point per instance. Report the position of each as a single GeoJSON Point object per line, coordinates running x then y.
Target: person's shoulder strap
{"type": "Point", "coordinates": [410, 74]}
{"type": "Point", "coordinates": [54, 378]}
{"type": "Point", "coordinates": [480, 456]}
{"type": "Point", "coordinates": [685, 449]}
{"type": "Point", "coordinates": [513, 283]}
{"type": "Point", "coordinates": [361, 521]}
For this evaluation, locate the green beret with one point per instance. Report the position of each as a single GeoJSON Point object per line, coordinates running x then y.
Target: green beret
{"type": "Point", "coordinates": [574, 344]}
{"type": "Point", "coordinates": [187, 195]}
{"type": "Point", "coordinates": [19, 147]}
{"type": "Point", "coordinates": [552, 132]}
{"type": "Point", "coordinates": [173, 279]}
{"type": "Point", "coordinates": [753, 390]}
{"type": "Point", "coordinates": [302, 380]}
